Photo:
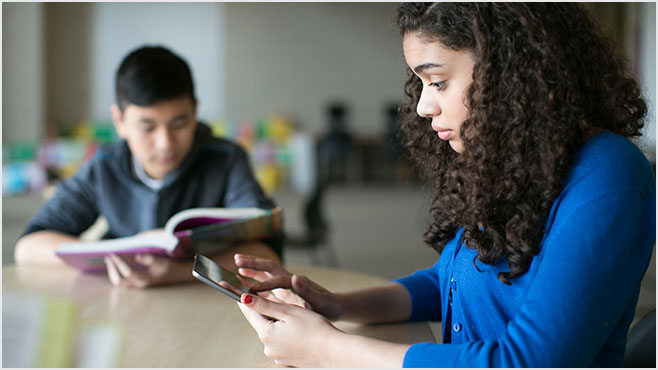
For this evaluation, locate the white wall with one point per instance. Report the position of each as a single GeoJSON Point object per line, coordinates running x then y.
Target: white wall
{"type": "Point", "coordinates": [192, 30]}
{"type": "Point", "coordinates": [22, 71]}
{"type": "Point", "coordinates": [68, 43]}
{"type": "Point", "coordinates": [294, 58]}
{"type": "Point", "coordinates": [249, 60]}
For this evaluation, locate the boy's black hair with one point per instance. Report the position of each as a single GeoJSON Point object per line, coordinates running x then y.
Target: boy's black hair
{"type": "Point", "coordinates": [151, 74]}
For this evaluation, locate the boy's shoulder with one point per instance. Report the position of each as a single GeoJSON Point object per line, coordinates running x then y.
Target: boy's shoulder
{"type": "Point", "coordinates": [221, 146]}
{"type": "Point", "coordinates": [208, 143]}
{"type": "Point", "coordinates": [110, 154]}
{"type": "Point", "coordinates": [110, 151]}
{"type": "Point", "coordinates": [109, 161]}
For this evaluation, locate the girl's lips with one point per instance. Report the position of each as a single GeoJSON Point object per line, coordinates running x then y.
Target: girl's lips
{"type": "Point", "coordinates": [444, 134]}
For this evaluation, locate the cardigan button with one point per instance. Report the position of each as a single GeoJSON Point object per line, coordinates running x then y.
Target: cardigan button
{"type": "Point", "coordinates": [457, 327]}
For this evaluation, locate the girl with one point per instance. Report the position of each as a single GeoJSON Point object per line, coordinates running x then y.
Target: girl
{"type": "Point", "coordinates": [543, 211]}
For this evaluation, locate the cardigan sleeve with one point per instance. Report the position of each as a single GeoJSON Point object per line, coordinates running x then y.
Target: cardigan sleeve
{"type": "Point", "coordinates": [593, 259]}
{"type": "Point", "coordinates": [425, 292]}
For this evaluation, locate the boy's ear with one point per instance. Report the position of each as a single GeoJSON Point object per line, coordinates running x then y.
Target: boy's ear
{"type": "Point", "coordinates": [117, 119]}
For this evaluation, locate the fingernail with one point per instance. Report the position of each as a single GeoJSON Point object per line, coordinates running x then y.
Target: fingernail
{"type": "Point", "coordinates": [247, 299]}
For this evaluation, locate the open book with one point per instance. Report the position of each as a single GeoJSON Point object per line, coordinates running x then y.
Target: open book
{"type": "Point", "coordinates": [202, 230]}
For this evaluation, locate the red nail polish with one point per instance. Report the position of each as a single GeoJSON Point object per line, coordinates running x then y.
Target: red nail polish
{"type": "Point", "coordinates": [247, 299]}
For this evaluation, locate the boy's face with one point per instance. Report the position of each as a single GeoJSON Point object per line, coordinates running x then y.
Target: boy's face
{"type": "Point", "coordinates": [160, 135]}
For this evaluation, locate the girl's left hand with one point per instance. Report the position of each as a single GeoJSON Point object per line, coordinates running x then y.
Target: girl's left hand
{"type": "Point", "coordinates": [292, 335]}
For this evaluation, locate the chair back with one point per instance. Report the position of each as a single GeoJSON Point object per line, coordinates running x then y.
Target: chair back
{"type": "Point", "coordinates": [316, 224]}
{"type": "Point", "coordinates": [641, 343]}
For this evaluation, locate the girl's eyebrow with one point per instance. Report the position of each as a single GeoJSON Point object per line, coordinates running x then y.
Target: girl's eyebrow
{"type": "Point", "coordinates": [420, 68]}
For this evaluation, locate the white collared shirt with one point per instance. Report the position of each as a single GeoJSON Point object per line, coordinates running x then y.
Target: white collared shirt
{"type": "Point", "coordinates": [145, 178]}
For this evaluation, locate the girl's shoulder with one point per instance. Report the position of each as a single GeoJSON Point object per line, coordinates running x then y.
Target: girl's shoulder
{"type": "Point", "coordinates": [610, 162]}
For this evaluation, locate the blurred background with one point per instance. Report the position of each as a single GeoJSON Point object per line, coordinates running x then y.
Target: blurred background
{"type": "Point", "coordinates": [310, 89]}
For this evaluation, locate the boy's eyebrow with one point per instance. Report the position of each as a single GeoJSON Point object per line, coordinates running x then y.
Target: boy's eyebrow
{"type": "Point", "coordinates": [420, 68]}
{"type": "Point", "coordinates": [152, 121]}
{"type": "Point", "coordinates": [179, 117]}
{"type": "Point", "coordinates": [146, 120]}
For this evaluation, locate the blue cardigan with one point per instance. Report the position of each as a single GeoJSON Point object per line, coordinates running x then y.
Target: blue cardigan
{"type": "Point", "coordinates": [575, 304]}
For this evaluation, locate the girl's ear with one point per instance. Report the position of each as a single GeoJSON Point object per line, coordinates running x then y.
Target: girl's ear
{"type": "Point", "coordinates": [117, 119]}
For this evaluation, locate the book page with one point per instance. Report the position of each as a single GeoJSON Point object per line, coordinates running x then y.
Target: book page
{"type": "Point", "coordinates": [195, 217]}
{"type": "Point", "coordinates": [132, 243]}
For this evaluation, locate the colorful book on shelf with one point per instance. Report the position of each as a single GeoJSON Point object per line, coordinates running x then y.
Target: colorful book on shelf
{"type": "Point", "coordinates": [195, 230]}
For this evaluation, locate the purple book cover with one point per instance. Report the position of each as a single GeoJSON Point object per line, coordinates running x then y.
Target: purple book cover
{"type": "Point", "coordinates": [197, 222]}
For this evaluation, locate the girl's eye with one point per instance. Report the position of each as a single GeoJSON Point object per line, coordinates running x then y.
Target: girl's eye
{"type": "Point", "coordinates": [438, 85]}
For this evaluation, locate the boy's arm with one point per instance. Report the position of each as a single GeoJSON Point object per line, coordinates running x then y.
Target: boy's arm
{"type": "Point", "coordinates": [69, 212]}
{"type": "Point", "coordinates": [38, 248]}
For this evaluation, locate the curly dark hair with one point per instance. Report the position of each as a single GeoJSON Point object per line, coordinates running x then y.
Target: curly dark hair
{"type": "Point", "coordinates": [545, 79]}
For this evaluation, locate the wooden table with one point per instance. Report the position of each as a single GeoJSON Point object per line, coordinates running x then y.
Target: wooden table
{"type": "Point", "coordinates": [188, 325]}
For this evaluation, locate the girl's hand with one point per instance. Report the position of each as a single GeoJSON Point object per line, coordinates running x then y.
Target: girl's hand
{"type": "Point", "coordinates": [291, 335]}
{"type": "Point", "coordinates": [287, 287]}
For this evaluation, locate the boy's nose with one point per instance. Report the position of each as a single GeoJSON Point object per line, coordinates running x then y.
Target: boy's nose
{"type": "Point", "coordinates": [163, 139]}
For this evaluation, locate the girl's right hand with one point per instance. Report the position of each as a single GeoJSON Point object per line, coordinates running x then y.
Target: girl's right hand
{"type": "Point", "coordinates": [288, 287]}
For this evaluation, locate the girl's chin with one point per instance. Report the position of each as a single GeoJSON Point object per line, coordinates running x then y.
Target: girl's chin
{"type": "Point", "coordinates": [456, 146]}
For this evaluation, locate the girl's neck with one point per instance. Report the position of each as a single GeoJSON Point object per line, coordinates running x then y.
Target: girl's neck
{"type": "Point", "coordinates": [593, 132]}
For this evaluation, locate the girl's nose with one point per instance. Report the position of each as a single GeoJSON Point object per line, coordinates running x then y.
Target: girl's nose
{"type": "Point", "coordinates": [428, 105]}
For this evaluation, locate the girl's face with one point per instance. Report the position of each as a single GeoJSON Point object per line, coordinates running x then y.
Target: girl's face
{"type": "Point", "coordinates": [445, 74]}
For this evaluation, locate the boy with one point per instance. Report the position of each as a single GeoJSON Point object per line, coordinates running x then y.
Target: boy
{"type": "Point", "coordinates": [166, 163]}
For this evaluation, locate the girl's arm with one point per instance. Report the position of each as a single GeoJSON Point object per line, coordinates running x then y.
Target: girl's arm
{"type": "Point", "coordinates": [295, 336]}
{"type": "Point", "coordinates": [387, 303]}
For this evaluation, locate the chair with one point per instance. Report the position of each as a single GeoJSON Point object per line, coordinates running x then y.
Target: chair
{"type": "Point", "coordinates": [335, 148]}
{"type": "Point", "coordinates": [641, 343]}
{"type": "Point", "coordinates": [316, 235]}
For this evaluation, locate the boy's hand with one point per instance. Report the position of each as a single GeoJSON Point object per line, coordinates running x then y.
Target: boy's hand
{"type": "Point", "coordinates": [159, 270]}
